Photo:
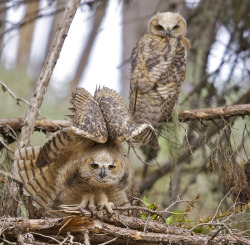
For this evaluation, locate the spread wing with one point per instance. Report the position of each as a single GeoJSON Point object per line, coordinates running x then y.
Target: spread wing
{"type": "Point", "coordinates": [87, 117]}
{"type": "Point", "coordinates": [37, 167]}
{"type": "Point", "coordinates": [120, 124]}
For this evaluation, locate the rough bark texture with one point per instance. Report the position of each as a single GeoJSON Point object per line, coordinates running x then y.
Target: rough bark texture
{"type": "Point", "coordinates": [155, 233]}
{"type": "Point", "coordinates": [214, 113]}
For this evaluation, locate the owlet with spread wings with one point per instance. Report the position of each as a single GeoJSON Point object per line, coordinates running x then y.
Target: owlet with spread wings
{"type": "Point", "coordinates": [158, 66]}
{"type": "Point", "coordinates": [84, 165]}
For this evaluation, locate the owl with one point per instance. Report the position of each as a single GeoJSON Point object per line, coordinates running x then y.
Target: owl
{"type": "Point", "coordinates": [158, 66]}
{"type": "Point", "coordinates": [84, 165]}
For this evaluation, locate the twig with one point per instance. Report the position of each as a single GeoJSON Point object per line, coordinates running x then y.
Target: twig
{"type": "Point", "coordinates": [49, 237]}
{"type": "Point", "coordinates": [3, 143]}
{"type": "Point", "coordinates": [10, 176]}
{"type": "Point", "coordinates": [5, 87]}
{"type": "Point", "coordinates": [86, 237]}
{"type": "Point", "coordinates": [8, 242]}
{"type": "Point", "coordinates": [178, 200]}
{"type": "Point", "coordinates": [140, 157]}
{"type": "Point", "coordinates": [149, 210]}
{"type": "Point", "coordinates": [146, 223]}
{"type": "Point", "coordinates": [112, 240]}
{"type": "Point", "coordinates": [220, 204]}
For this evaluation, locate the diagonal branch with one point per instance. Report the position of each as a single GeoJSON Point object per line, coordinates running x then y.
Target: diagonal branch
{"type": "Point", "coordinates": [46, 72]}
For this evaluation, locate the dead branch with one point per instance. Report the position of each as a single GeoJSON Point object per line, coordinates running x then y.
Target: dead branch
{"type": "Point", "coordinates": [214, 113]}
{"type": "Point", "coordinates": [12, 227]}
{"type": "Point", "coordinates": [46, 72]}
{"type": "Point", "coordinates": [185, 115]}
{"type": "Point", "coordinates": [40, 124]}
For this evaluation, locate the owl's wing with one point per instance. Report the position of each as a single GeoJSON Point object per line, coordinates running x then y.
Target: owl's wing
{"type": "Point", "coordinates": [37, 167]}
{"type": "Point", "coordinates": [38, 182]}
{"type": "Point", "coordinates": [87, 118]}
{"type": "Point", "coordinates": [144, 134]}
{"type": "Point", "coordinates": [120, 124]}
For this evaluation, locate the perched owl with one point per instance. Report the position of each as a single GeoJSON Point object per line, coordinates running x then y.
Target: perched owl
{"type": "Point", "coordinates": [158, 66]}
{"type": "Point", "coordinates": [84, 165]}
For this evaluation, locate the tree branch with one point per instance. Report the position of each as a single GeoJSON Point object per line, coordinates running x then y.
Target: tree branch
{"type": "Point", "coordinates": [185, 115]}
{"type": "Point", "coordinates": [12, 227]}
{"type": "Point", "coordinates": [46, 72]}
{"type": "Point", "coordinates": [214, 113]}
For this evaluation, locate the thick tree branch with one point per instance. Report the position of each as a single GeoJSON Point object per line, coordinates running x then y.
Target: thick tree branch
{"type": "Point", "coordinates": [215, 113]}
{"type": "Point", "coordinates": [12, 227]}
{"type": "Point", "coordinates": [40, 124]}
{"type": "Point", "coordinates": [185, 115]}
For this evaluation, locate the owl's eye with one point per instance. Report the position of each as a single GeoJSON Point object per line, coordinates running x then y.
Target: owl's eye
{"type": "Point", "coordinates": [176, 27]}
{"type": "Point", "coordinates": [159, 27]}
{"type": "Point", "coordinates": [112, 167]}
{"type": "Point", "coordinates": [94, 165]}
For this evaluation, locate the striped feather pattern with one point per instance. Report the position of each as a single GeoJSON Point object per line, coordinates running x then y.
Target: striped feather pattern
{"type": "Point", "coordinates": [38, 182]}
{"type": "Point", "coordinates": [120, 124]}
{"type": "Point", "coordinates": [87, 116]}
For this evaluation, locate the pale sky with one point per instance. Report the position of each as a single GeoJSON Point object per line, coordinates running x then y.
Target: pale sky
{"type": "Point", "coordinates": [105, 57]}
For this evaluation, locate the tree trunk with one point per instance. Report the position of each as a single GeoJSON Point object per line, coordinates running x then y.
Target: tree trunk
{"type": "Point", "coordinates": [26, 34]}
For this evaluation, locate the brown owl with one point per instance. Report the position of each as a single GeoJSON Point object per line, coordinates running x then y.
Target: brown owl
{"type": "Point", "coordinates": [84, 165]}
{"type": "Point", "coordinates": [158, 66]}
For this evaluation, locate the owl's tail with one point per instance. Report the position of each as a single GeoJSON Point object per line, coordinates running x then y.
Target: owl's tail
{"type": "Point", "coordinates": [37, 181]}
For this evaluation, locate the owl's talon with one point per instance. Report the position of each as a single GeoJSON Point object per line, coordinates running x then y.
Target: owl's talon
{"type": "Point", "coordinates": [92, 212]}
{"type": "Point", "coordinates": [81, 210]}
{"type": "Point", "coordinates": [100, 207]}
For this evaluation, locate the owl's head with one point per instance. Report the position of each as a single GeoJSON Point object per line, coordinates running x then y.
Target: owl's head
{"type": "Point", "coordinates": [167, 24]}
{"type": "Point", "coordinates": [106, 165]}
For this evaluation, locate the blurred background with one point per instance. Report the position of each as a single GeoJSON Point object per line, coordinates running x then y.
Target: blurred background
{"type": "Point", "coordinates": [196, 157]}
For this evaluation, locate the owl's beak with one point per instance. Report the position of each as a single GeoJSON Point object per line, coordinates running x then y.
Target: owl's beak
{"type": "Point", "coordinates": [102, 174]}
{"type": "Point", "coordinates": [168, 33]}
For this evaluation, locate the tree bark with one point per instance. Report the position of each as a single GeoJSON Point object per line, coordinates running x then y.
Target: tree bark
{"type": "Point", "coordinates": [214, 113]}
{"type": "Point", "coordinates": [185, 115]}
{"type": "Point", "coordinates": [26, 34]}
{"type": "Point", "coordinates": [157, 233]}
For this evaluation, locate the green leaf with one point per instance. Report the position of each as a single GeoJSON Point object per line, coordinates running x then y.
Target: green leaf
{"type": "Point", "coordinates": [170, 219]}
{"type": "Point", "coordinates": [143, 216]}
{"type": "Point", "coordinates": [154, 217]}
{"type": "Point", "coordinates": [199, 230]}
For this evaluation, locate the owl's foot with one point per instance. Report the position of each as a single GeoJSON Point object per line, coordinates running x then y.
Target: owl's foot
{"type": "Point", "coordinates": [74, 209]}
{"type": "Point", "coordinates": [91, 203]}
{"type": "Point", "coordinates": [103, 203]}
{"type": "Point", "coordinates": [108, 206]}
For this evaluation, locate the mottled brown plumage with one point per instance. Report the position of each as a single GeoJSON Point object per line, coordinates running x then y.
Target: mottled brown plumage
{"type": "Point", "coordinates": [120, 124]}
{"type": "Point", "coordinates": [158, 66]}
{"type": "Point", "coordinates": [84, 165]}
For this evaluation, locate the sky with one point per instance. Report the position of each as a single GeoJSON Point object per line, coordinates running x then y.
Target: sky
{"type": "Point", "coordinates": [105, 58]}
{"type": "Point", "coordinates": [106, 55]}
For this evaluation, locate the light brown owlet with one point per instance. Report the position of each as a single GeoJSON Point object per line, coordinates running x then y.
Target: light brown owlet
{"type": "Point", "coordinates": [158, 66]}
{"type": "Point", "coordinates": [84, 165]}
